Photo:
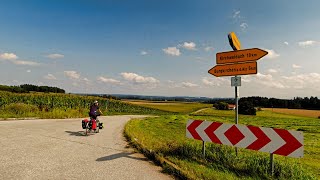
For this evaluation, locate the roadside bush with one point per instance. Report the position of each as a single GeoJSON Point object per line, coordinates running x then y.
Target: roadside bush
{"type": "Point", "coordinates": [246, 108]}
{"type": "Point", "coordinates": [215, 105]}
{"type": "Point", "coordinates": [222, 106]}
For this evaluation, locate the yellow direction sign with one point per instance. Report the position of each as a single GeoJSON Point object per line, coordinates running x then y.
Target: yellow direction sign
{"type": "Point", "coordinates": [234, 41]}
{"type": "Point", "coordinates": [240, 56]}
{"type": "Point", "coordinates": [234, 69]}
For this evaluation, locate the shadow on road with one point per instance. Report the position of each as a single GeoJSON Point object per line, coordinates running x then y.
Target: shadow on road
{"type": "Point", "coordinates": [120, 155]}
{"type": "Point", "coordinates": [77, 133]}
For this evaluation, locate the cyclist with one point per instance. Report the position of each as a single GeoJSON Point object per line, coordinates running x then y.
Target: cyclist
{"type": "Point", "coordinates": [94, 110]}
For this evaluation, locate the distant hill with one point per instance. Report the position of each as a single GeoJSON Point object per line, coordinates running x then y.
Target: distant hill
{"type": "Point", "coordinates": [161, 98]}
{"type": "Point", "coordinates": [296, 103]}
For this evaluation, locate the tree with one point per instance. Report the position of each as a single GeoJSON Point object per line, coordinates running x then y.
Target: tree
{"type": "Point", "coordinates": [222, 106]}
{"type": "Point", "coordinates": [246, 108]}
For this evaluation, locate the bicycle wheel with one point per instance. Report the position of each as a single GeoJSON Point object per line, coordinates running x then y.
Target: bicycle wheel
{"type": "Point", "coordinates": [97, 126]}
{"type": "Point", "coordinates": [87, 130]}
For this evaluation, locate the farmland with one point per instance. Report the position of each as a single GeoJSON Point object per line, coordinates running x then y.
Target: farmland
{"type": "Point", "coordinates": [51, 105]}
{"type": "Point", "coordinates": [298, 112]}
{"type": "Point", "coordinates": [170, 106]}
{"type": "Point", "coordinates": [163, 139]}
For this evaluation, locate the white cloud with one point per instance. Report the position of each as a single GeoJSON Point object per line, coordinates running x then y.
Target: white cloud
{"type": "Point", "coordinates": [303, 81]}
{"type": "Point", "coordinates": [189, 45]}
{"type": "Point", "coordinates": [173, 51]}
{"type": "Point", "coordinates": [189, 85]}
{"type": "Point", "coordinates": [267, 77]}
{"type": "Point", "coordinates": [40, 84]}
{"type": "Point", "coordinates": [277, 85]}
{"type": "Point", "coordinates": [236, 15]}
{"type": "Point", "coordinates": [28, 71]}
{"type": "Point", "coordinates": [28, 63]}
{"type": "Point", "coordinates": [246, 79]}
{"type": "Point", "coordinates": [55, 56]}
{"type": "Point", "coordinates": [16, 81]}
{"type": "Point", "coordinates": [50, 77]}
{"type": "Point", "coordinates": [237, 18]}
{"type": "Point", "coordinates": [307, 43]}
{"type": "Point", "coordinates": [143, 53]}
{"type": "Point", "coordinates": [86, 79]}
{"type": "Point", "coordinates": [72, 74]}
{"type": "Point", "coordinates": [11, 57]}
{"type": "Point", "coordinates": [286, 43]}
{"type": "Point", "coordinates": [8, 56]}
{"type": "Point", "coordinates": [137, 78]}
{"type": "Point", "coordinates": [243, 26]}
{"type": "Point", "coordinates": [208, 48]}
{"type": "Point", "coordinates": [107, 80]}
{"type": "Point", "coordinates": [294, 66]}
{"type": "Point", "coordinates": [172, 84]}
{"type": "Point", "coordinates": [268, 81]}
{"type": "Point", "coordinates": [219, 81]}
{"type": "Point", "coordinates": [272, 71]}
{"type": "Point", "coordinates": [272, 54]}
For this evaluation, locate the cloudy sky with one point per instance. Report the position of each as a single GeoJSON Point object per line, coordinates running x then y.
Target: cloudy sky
{"type": "Point", "coordinates": [159, 47]}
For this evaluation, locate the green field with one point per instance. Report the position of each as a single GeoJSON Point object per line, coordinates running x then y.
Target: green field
{"type": "Point", "coordinates": [298, 112]}
{"type": "Point", "coordinates": [52, 105]}
{"type": "Point", "coordinates": [163, 139]}
{"type": "Point", "coordinates": [173, 106]}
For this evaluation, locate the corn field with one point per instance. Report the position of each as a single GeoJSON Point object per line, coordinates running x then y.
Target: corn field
{"type": "Point", "coordinates": [50, 101]}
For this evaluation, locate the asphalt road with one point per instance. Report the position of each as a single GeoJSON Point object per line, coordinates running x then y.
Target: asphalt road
{"type": "Point", "coordinates": [57, 149]}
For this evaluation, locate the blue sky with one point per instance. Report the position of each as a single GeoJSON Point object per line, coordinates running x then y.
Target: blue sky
{"type": "Point", "coordinates": [159, 47]}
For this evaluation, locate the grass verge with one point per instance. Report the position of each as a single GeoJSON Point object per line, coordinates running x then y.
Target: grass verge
{"type": "Point", "coordinates": [163, 140]}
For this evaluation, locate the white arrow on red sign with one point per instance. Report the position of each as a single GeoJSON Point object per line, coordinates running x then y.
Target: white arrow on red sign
{"type": "Point", "coordinates": [276, 141]}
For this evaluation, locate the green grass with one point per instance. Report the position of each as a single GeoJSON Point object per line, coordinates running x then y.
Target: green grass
{"type": "Point", "coordinates": [164, 137]}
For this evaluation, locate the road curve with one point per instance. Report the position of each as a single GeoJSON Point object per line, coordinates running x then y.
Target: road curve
{"type": "Point", "coordinates": [57, 149]}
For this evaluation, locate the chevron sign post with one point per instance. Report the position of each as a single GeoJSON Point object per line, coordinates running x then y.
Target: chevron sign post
{"type": "Point", "coordinates": [271, 140]}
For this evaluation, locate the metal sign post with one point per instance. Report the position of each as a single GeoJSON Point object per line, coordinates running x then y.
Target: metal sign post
{"type": "Point", "coordinates": [271, 164]}
{"type": "Point", "coordinates": [236, 81]}
{"type": "Point", "coordinates": [236, 45]}
{"type": "Point", "coordinates": [203, 149]}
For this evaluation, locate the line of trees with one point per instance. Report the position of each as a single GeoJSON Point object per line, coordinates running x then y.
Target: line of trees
{"type": "Point", "coordinates": [296, 103]}
{"type": "Point", "coordinates": [26, 88]}
{"type": "Point", "coordinates": [248, 105]}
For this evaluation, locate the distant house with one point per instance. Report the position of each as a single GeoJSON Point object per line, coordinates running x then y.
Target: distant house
{"type": "Point", "coordinates": [231, 106]}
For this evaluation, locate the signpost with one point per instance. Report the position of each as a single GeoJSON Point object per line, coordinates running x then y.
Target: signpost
{"type": "Point", "coordinates": [236, 81]}
{"type": "Point", "coordinates": [272, 140]}
{"type": "Point", "coordinates": [234, 41]}
{"type": "Point", "coordinates": [234, 69]}
{"type": "Point", "coordinates": [253, 54]}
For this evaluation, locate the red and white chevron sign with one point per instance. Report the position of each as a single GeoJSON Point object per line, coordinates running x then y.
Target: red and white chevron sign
{"type": "Point", "coordinates": [276, 141]}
